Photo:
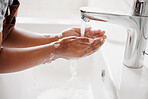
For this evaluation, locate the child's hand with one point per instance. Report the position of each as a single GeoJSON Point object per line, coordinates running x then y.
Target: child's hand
{"type": "Point", "coordinates": [74, 47]}
{"type": "Point", "coordinates": [88, 33]}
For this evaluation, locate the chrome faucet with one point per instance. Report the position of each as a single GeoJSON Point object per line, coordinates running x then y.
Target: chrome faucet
{"type": "Point", "coordinates": [136, 23]}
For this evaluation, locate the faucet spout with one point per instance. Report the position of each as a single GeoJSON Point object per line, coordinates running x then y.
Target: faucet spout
{"type": "Point", "coordinates": [137, 31]}
{"type": "Point", "coordinates": [140, 8]}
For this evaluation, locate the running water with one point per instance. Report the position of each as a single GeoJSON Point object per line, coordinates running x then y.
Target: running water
{"type": "Point", "coordinates": [73, 69]}
{"type": "Point", "coordinates": [82, 28]}
{"type": "Point", "coordinates": [74, 88]}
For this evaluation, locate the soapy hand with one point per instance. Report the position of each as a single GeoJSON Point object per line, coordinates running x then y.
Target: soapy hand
{"type": "Point", "coordinates": [75, 47]}
{"type": "Point", "coordinates": [88, 33]}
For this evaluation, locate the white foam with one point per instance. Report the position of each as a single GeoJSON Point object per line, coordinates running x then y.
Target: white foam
{"type": "Point", "coordinates": [45, 60]}
{"type": "Point", "coordinates": [52, 56]}
{"type": "Point", "coordinates": [49, 60]}
{"type": "Point", "coordinates": [56, 45]}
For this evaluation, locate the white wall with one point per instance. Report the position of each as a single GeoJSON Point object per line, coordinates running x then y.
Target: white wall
{"type": "Point", "coordinates": [51, 8]}
{"type": "Point", "coordinates": [67, 9]}
{"type": "Point", "coordinates": [125, 5]}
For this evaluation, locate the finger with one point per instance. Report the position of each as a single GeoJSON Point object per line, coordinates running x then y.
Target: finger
{"type": "Point", "coordinates": [92, 50]}
{"type": "Point", "coordinates": [104, 36]}
{"type": "Point", "coordinates": [91, 32]}
{"type": "Point", "coordinates": [84, 40]}
{"type": "Point", "coordinates": [87, 29]}
{"type": "Point", "coordinates": [103, 32]}
{"type": "Point", "coordinates": [97, 41]}
{"type": "Point", "coordinates": [70, 33]}
{"type": "Point", "coordinates": [68, 39]}
{"type": "Point", "coordinates": [97, 31]}
{"type": "Point", "coordinates": [95, 46]}
{"type": "Point", "coordinates": [82, 43]}
{"type": "Point", "coordinates": [89, 45]}
{"type": "Point", "coordinates": [94, 33]}
{"type": "Point", "coordinates": [78, 30]}
{"type": "Point", "coordinates": [87, 34]}
{"type": "Point", "coordinates": [77, 39]}
{"type": "Point", "coordinates": [100, 35]}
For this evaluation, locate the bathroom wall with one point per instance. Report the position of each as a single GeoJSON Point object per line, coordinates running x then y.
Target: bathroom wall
{"type": "Point", "coordinates": [51, 8]}
{"type": "Point", "coordinates": [67, 8]}
{"type": "Point", "coordinates": [125, 5]}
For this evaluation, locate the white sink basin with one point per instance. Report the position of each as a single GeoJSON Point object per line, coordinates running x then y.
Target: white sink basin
{"type": "Point", "coordinates": [52, 81]}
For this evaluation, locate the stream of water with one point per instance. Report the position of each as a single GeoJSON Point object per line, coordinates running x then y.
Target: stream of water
{"type": "Point", "coordinates": [82, 28]}
{"type": "Point", "coordinates": [74, 88]}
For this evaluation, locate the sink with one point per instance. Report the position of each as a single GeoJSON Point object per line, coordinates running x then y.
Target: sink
{"type": "Point", "coordinates": [54, 80]}
{"type": "Point", "coordinates": [130, 83]}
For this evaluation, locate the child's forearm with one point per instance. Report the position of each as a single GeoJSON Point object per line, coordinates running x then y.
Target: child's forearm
{"type": "Point", "coordinates": [16, 59]}
{"type": "Point", "coordinates": [21, 39]}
